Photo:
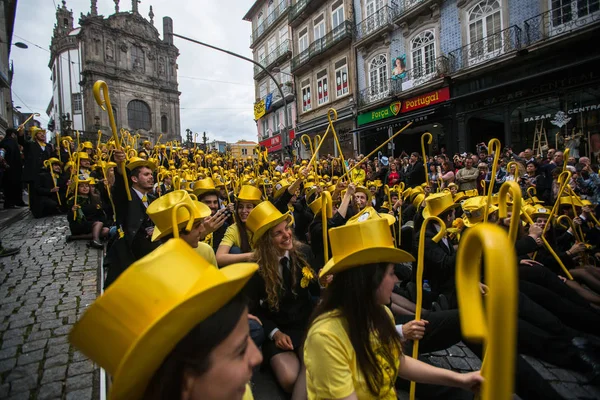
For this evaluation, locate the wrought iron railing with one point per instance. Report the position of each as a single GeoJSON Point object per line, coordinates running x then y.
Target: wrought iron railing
{"type": "Point", "coordinates": [297, 9]}
{"type": "Point", "coordinates": [406, 5]}
{"type": "Point", "coordinates": [382, 17]}
{"type": "Point", "coordinates": [561, 20]}
{"type": "Point", "coordinates": [485, 49]}
{"type": "Point", "coordinates": [269, 21]}
{"type": "Point", "coordinates": [378, 92]}
{"type": "Point", "coordinates": [319, 46]}
{"type": "Point", "coordinates": [273, 56]}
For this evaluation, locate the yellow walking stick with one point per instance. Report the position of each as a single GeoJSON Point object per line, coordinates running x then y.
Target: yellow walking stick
{"type": "Point", "coordinates": [366, 158]}
{"type": "Point", "coordinates": [419, 281]}
{"type": "Point", "coordinates": [76, 187]}
{"type": "Point", "coordinates": [429, 139]}
{"type": "Point", "coordinates": [515, 221]}
{"type": "Point", "coordinates": [58, 142]}
{"type": "Point", "coordinates": [499, 330]}
{"type": "Point", "coordinates": [493, 148]}
{"type": "Point", "coordinates": [337, 141]}
{"type": "Point", "coordinates": [509, 166]}
{"type": "Point", "coordinates": [104, 103]}
{"type": "Point", "coordinates": [20, 127]}
{"type": "Point", "coordinates": [326, 213]}
{"type": "Point", "coordinates": [48, 164]}
{"type": "Point", "coordinates": [565, 159]}
{"type": "Point", "coordinates": [307, 141]}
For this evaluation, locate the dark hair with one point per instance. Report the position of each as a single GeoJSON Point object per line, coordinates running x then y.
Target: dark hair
{"type": "Point", "coordinates": [353, 293]}
{"type": "Point", "coordinates": [11, 131]}
{"type": "Point", "coordinates": [244, 240]}
{"type": "Point", "coordinates": [193, 353]}
{"type": "Point", "coordinates": [532, 162]}
{"type": "Point", "coordinates": [206, 194]}
{"type": "Point", "coordinates": [136, 171]}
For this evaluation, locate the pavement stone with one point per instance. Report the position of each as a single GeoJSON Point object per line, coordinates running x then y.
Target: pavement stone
{"type": "Point", "coordinates": [43, 290]}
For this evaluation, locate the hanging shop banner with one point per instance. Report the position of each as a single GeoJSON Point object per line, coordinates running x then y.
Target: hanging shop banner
{"type": "Point", "coordinates": [259, 109]}
{"type": "Point", "coordinates": [408, 105]}
{"type": "Point", "coordinates": [268, 101]}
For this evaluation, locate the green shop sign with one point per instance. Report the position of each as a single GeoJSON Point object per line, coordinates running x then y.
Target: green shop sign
{"type": "Point", "coordinates": [381, 113]}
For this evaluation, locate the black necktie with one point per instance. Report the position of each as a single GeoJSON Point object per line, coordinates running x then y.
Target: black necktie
{"type": "Point", "coordinates": [286, 273]}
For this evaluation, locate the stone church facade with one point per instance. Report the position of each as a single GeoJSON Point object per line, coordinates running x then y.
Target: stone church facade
{"type": "Point", "coordinates": [126, 51]}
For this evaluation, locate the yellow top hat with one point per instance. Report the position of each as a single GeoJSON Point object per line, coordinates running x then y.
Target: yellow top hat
{"type": "Point", "coordinates": [53, 160]}
{"type": "Point", "coordinates": [204, 185]}
{"type": "Point", "coordinates": [368, 242]}
{"type": "Point", "coordinates": [34, 130]}
{"type": "Point", "coordinates": [418, 199]}
{"type": "Point", "coordinates": [141, 317]}
{"type": "Point", "coordinates": [474, 209]}
{"type": "Point", "coordinates": [135, 162]}
{"type": "Point", "coordinates": [366, 191]}
{"type": "Point", "coordinates": [249, 193]}
{"type": "Point", "coordinates": [450, 185]}
{"type": "Point", "coordinates": [264, 217]}
{"type": "Point", "coordinates": [540, 211]}
{"type": "Point", "coordinates": [161, 212]}
{"type": "Point", "coordinates": [568, 200]}
{"type": "Point", "coordinates": [471, 193]}
{"type": "Point", "coordinates": [88, 145]}
{"type": "Point", "coordinates": [437, 203]}
{"type": "Point", "coordinates": [414, 192]}
{"type": "Point", "coordinates": [458, 197]}
{"type": "Point", "coordinates": [146, 142]}
{"type": "Point", "coordinates": [82, 155]}
{"type": "Point", "coordinates": [316, 205]}
{"type": "Point", "coordinates": [369, 213]}
{"type": "Point", "coordinates": [280, 188]}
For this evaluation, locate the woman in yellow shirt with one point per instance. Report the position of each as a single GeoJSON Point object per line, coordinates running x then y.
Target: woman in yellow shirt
{"type": "Point", "coordinates": [352, 349]}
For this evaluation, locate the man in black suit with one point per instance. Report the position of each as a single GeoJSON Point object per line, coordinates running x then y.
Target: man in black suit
{"type": "Point", "coordinates": [415, 175]}
{"type": "Point", "coordinates": [36, 151]}
{"type": "Point", "coordinates": [49, 187]}
{"type": "Point", "coordinates": [12, 166]}
{"type": "Point", "coordinates": [135, 226]}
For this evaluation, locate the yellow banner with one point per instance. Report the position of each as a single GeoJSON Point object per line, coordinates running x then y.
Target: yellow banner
{"type": "Point", "coordinates": [259, 109]}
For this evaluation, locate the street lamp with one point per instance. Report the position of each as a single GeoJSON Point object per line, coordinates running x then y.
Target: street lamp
{"type": "Point", "coordinates": [21, 45]}
{"type": "Point", "coordinates": [286, 136]}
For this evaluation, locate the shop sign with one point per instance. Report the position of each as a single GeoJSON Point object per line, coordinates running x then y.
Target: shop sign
{"type": "Point", "coordinates": [561, 118]}
{"type": "Point", "coordinates": [259, 109]}
{"type": "Point", "coordinates": [405, 106]}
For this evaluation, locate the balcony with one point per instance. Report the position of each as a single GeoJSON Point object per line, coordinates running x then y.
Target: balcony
{"type": "Point", "coordinates": [407, 8]}
{"type": "Point", "coordinates": [487, 49]}
{"type": "Point", "coordinates": [561, 20]}
{"type": "Point", "coordinates": [276, 56]}
{"type": "Point", "coordinates": [339, 35]}
{"type": "Point", "coordinates": [288, 92]}
{"type": "Point", "coordinates": [300, 11]}
{"type": "Point", "coordinates": [271, 20]}
{"type": "Point", "coordinates": [411, 79]}
{"type": "Point", "coordinates": [381, 21]}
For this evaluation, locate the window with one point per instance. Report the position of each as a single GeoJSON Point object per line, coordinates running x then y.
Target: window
{"type": "Point", "coordinates": [76, 98]}
{"type": "Point", "coordinates": [306, 106]}
{"type": "Point", "coordinates": [341, 78]}
{"type": "Point", "coordinates": [259, 24]}
{"type": "Point", "coordinates": [378, 75]}
{"type": "Point", "coordinates": [272, 45]}
{"type": "Point", "coordinates": [373, 6]}
{"type": "Point", "coordinates": [2, 108]}
{"type": "Point", "coordinates": [138, 115]}
{"type": "Point", "coordinates": [289, 114]}
{"type": "Point", "coordinates": [319, 27]}
{"type": "Point", "coordinates": [115, 115]}
{"type": "Point", "coordinates": [265, 128]}
{"type": "Point", "coordinates": [276, 122]}
{"type": "Point", "coordinates": [244, 152]}
{"type": "Point", "coordinates": [322, 88]}
{"type": "Point", "coordinates": [164, 124]}
{"type": "Point", "coordinates": [261, 55]}
{"type": "Point", "coordinates": [270, 9]}
{"type": "Point", "coordinates": [423, 54]}
{"type": "Point", "coordinates": [285, 75]}
{"type": "Point", "coordinates": [303, 40]}
{"type": "Point", "coordinates": [283, 34]}
{"type": "Point", "coordinates": [262, 91]}
{"type": "Point", "coordinates": [564, 11]}
{"type": "Point", "coordinates": [484, 24]}
{"type": "Point", "coordinates": [337, 14]}
{"type": "Point", "coordinates": [137, 58]}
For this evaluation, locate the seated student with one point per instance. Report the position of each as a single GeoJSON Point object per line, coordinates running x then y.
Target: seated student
{"type": "Point", "coordinates": [172, 327]}
{"type": "Point", "coordinates": [281, 294]}
{"type": "Point", "coordinates": [86, 217]}
{"type": "Point", "coordinates": [216, 225]}
{"type": "Point", "coordinates": [50, 189]}
{"type": "Point", "coordinates": [353, 349]}
{"type": "Point", "coordinates": [165, 186]}
{"type": "Point", "coordinates": [236, 244]}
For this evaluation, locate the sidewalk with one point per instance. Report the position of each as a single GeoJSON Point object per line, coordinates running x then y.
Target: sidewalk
{"type": "Point", "coordinates": [43, 290]}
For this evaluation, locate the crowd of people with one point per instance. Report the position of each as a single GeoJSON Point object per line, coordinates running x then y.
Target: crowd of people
{"type": "Point", "coordinates": [217, 267]}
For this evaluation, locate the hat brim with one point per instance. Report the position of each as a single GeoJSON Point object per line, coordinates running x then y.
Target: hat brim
{"type": "Point", "coordinates": [264, 228]}
{"type": "Point", "coordinates": [142, 163]}
{"type": "Point", "coordinates": [200, 191]}
{"type": "Point", "coordinates": [371, 255]}
{"type": "Point", "coordinates": [147, 354]}
{"type": "Point", "coordinates": [427, 214]}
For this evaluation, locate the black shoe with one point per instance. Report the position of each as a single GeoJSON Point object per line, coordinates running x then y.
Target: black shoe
{"type": "Point", "coordinates": [435, 306]}
{"type": "Point", "coordinates": [4, 252]}
{"type": "Point", "coordinates": [96, 245]}
{"type": "Point", "coordinates": [588, 363]}
{"type": "Point", "coordinates": [442, 300]}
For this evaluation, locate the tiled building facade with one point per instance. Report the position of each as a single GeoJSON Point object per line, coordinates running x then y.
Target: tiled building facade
{"type": "Point", "coordinates": [464, 70]}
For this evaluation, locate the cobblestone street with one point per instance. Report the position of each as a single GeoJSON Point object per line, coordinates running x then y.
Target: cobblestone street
{"type": "Point", "coordinates": [43, 290]}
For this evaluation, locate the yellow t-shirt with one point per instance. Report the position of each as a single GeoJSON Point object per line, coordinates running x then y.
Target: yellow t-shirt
{"type": "Point", "coordinates": [248, 393]}
{"type": "Point", "coordinates": [232, 237]}
{"type": "Point", "coordinates": [332, 370]}
{"type": "Point", "coordinates": [205, 251]}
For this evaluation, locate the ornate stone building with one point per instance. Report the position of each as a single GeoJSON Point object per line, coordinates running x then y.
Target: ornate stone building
{"type": "Point", "coordinates": [124, 50]}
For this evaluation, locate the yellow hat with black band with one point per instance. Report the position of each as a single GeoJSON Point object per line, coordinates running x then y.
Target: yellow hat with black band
{"type": "Point", "coordinates": [362, 243]}
{"type": "Point", "coordinates": [250, 194]}
{"type": "Point", "coordinates": [438, 203]}
{"type": "Point", "coordinates": [264, 217]}
{"type": "Point", "coordinates": [138, 321]}
{"type": "Point", "coordinates": [474, 209]}
{"type": "Point", "coordinates": [161, 211]}
{"type": "Point", "coordinates": [135, 162]}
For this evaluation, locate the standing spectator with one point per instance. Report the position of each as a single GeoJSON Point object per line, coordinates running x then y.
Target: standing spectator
{"type": "Point", "coordinates": [393, 177]}
{"type": "Point", "coordinates": [416, 171]}
{"type": "Point", "coordinates": [12, 166]}
{"type": "Point", "coordinates": [447, 174]}
{"type": "Point", "coordinates": [467, 176]}
{"type": "Point", "coordinates": [36, 151]}
{"type": "Point", "coordinates": [483, 172]}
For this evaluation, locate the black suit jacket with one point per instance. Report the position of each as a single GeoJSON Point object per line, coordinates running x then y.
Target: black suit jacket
{"type": "Point", "coordinates": [415, 174]}
{"type": "Point", "coordinates": [439, 263]}
{"type": "Point", "coordinates": [34, 157]}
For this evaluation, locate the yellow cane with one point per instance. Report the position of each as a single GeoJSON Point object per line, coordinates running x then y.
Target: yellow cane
{"type": "Point", "coordinates": [76, 187]}
{"type": "Point", "coordinates": [570, 224]}
{"type": "Point", "coordinates": [48, 164]}
{"type": "Point", "coordinates": [104, 103]}
{"type": "Point", "coordinates": [386, 191]}
{"type": "Point", "coordinates": [326, 210]}
{"type": "Point", "coordinates": [190, 222]}
{"type": "Point", "coordinates": [20, 127]}
{"type": "Point", "coordinates": [493, 147]}
{"type": "Point", "coordinates": [335, 137]}
{"type": "Point", "coordinates": [509, 166]}
{"type": "Point", "coordinates": [515, 221]}
{"type": "Point", "coordinates": [483, 186]}
{"type": "Point", "coordinates": [429, 139]}
{"type": "Point", "coordinates": [419, 281]}
{"type": "Point", "coordinates": [366, 158]}
{"type": "Point", "coordinates": [58, 142]}
{"type": "Point", "coordinates": [565, 159]}
{"type": "Point", "coordinates": [499, 330]}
